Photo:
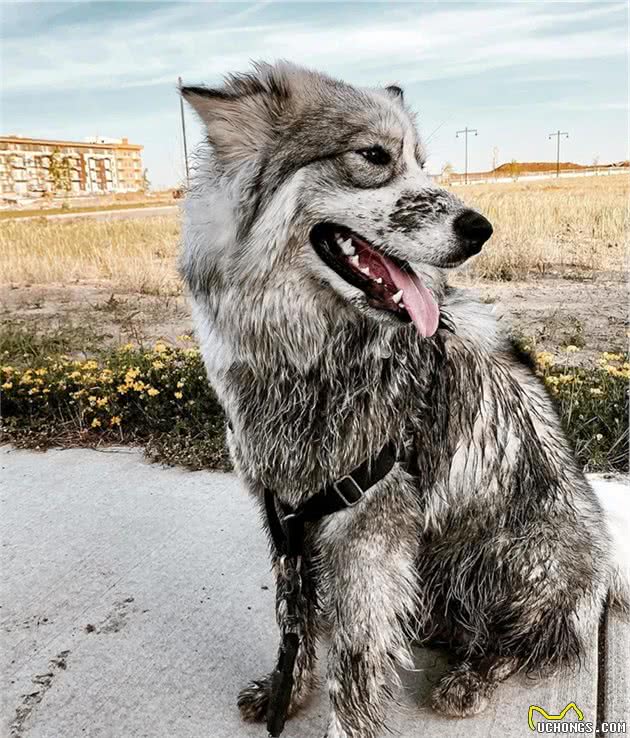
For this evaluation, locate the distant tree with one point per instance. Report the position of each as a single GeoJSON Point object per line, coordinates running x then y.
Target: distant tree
{"type": "Point", "coordinates": [447, 172]}
{"type": "Point", "coordinates": [595, 162]}
{"type": "Point", "coordinates": [146, 184]}
{"type": "Point", "coordinates": [514, 169]}
{"type": "Point", "coordinates": [59, 171]}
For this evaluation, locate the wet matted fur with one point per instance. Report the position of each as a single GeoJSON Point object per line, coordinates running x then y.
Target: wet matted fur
{"type": "Point", "coordinates": [489, 539]}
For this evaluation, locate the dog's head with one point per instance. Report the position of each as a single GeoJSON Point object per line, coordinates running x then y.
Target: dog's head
{"type": "Point", "coordinates": [329, 179]}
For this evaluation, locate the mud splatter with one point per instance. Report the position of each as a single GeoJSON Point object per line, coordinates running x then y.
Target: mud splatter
{"type": "Point", "coordinates": [115, 620]}
{"type": "Point", "coordinates": [41, 683]}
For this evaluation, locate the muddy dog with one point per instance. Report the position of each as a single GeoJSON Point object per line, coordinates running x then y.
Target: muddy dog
{"type": "Point", "coordinates": [315, 253]}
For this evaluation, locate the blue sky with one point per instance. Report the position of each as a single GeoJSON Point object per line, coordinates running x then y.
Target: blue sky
{"type": "Point", "coordinates": [515, 70]}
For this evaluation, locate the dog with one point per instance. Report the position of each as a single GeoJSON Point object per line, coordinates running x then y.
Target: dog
{"type": "Point", "coordinates": [315, 253]}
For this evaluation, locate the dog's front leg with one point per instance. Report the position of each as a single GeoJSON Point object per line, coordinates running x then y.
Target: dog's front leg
{"type": "Point", "coordinates": [373, 596]}
{"type": "Point", "coordinates": [253, 700]}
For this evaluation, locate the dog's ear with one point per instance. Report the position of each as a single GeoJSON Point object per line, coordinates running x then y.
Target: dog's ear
{"type": "Point", "coordinates": [239, 124]}
{"type": "Point", "coordinates": [396, 92]}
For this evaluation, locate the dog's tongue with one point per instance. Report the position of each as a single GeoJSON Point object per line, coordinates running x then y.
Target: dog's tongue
{"type": "Point", "coordinates": [419, 302]}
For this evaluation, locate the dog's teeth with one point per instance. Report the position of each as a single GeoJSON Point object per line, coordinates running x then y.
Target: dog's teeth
{"type": "Point", "coordinates": [354, 260]}
{"type": "Point", "coordinates": [378, 280]}
{"type": "Point", "coordinates": [347, 247]}
{"type": "Point", "coordinates": [365, 270]}
{"type": "Point", "coordinates": [397, 297]}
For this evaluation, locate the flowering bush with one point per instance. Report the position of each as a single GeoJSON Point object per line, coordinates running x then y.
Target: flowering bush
{"type": "Point", "coordinates": [160, 398]}
{"type": "Point", "coordinates": [593, 405]}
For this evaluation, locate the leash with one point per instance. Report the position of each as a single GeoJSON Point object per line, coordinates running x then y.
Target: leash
{"type": "Point", "coordinates": [287, 534]}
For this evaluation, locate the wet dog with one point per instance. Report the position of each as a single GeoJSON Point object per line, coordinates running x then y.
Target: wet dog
{"type": "Point", "coordinates": [315, 253]}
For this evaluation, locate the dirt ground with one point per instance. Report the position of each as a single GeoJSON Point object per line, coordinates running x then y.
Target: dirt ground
{"type": "Point", "coordinates": [552, 312]}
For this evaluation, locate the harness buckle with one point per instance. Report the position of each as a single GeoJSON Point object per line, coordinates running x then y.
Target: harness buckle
{"type": "Point", "coordinates": [355, 491]}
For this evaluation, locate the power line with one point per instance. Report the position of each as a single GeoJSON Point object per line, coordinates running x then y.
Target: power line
{"type": "Point", "coordinates": [466, 131]}
{"type": "Point", "coordinates": [558, 135]}
{"type": "Point", "coordinates": [181, 110]}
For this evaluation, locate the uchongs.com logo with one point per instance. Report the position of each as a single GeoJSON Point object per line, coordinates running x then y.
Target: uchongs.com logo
{"type": "Point", "coordinates": [548, 723]}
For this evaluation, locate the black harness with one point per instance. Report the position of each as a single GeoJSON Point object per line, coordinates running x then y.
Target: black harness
{"type": "Point", "coordinates": [287, 533]}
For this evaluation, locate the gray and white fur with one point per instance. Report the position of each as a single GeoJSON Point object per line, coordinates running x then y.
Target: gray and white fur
{"type": "Point", "coordinates": [489, 539]}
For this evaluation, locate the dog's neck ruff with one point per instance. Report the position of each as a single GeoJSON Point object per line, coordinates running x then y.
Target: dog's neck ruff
{"type": "Point", "coordinates": [287, 533]}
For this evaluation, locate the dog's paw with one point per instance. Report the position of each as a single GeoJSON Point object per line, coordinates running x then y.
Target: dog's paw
{"type": "Point", "coordinates": [461, 692]}
{"type": "Point", "coordinates": [253, 701]}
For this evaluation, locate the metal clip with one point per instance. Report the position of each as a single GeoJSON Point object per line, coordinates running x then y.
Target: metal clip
{"type": "Point", "coordinates": [346, 501]}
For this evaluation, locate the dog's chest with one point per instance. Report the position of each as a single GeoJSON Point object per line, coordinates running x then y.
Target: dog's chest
{"type": "Point", "coordinates": [302, 429]}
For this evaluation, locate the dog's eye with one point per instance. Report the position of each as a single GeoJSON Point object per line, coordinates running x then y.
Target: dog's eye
{"type": "Point", "coordinates": [375, 155]}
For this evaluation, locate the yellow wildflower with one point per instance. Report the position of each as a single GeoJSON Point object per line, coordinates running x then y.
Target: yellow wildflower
{"type": "Point", "coordinates": [138, 386]}
{"type": "Point", "coordinates": [90, 365]}
{"type": "Point", "coordinates": [41, 372]}
{"type": "Point", "coordinates": [92, 399]}
{"type": "Point", "coordinates": [7, 385]}
{"type": "Point", "coordinates": [33, 391]}
{"type": "Point", "coordinates": [158, 365]}
{"type": "Point", "coordinates": [178, 395]}
{"type": "Point", "coordinates": [102, 401]}
{"type": "Point", "coordinates": [571, 349]}
{"type": "Point", "coordinates": [611, 357]}
{"type": "Point", "coordinates": [96, 423]}
{"type": "Point", "coordinates": [152, 392]}
{"type": "Point", "coordinates": [74, 375]}
{"type": "Point", "coordinates": [159, 347]}
{"type": "Point", "coordinates": [180, 384]}
{"type": "Point", "coordinates": [615, 372]}
{"type": "Point", "coordinates": [545, 359]}
{"type": "Point", "coordinates": [115, 420]}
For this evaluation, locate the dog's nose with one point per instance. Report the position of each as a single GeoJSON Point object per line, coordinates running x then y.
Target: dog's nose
{"type": "Point", "coordinates": [474, 229]}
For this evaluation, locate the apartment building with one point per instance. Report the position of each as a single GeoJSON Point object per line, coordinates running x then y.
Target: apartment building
{"type": "Point", "coordinates": [32, 167]}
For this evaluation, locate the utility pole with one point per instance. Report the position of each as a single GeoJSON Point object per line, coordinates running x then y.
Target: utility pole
{"type": "Point", "coordinates": [181, 110]}
{"type": "Point", "coordinates": [466, 131]}
{"type": "Point", "coordinates": [558, 135]}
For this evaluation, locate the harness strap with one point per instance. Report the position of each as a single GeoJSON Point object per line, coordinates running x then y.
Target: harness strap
{"type": "Point", "coordinates": [287, 533]}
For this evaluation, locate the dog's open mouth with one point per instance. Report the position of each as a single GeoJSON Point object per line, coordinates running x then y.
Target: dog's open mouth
{"type": "Point", "coordinates": [388, 283]}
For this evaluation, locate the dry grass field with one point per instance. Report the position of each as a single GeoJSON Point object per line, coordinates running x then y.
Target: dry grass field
{"type": "Point", "coordinates": [133, 255]}
{"type": "Point", "coordinates": [571, 224]}
{"type": "Point", "coordinates": [576, 225]}
{"type": "Point", "coordinates": [554, 265]}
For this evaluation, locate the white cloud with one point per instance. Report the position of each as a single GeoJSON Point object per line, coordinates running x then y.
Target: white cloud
{"type": "Point", "coordinates": [368, 47]}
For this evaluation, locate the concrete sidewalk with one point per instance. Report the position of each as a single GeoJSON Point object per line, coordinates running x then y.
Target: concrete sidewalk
{"type": "Point", "coordinates": [137, 600]}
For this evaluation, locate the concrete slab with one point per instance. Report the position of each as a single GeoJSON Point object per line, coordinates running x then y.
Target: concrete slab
{"type": "Point", "coordinates": [136, 600]}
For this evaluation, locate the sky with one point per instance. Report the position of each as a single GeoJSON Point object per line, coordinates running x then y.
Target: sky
{"type": "Point", "coordinates": [515, 70]}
